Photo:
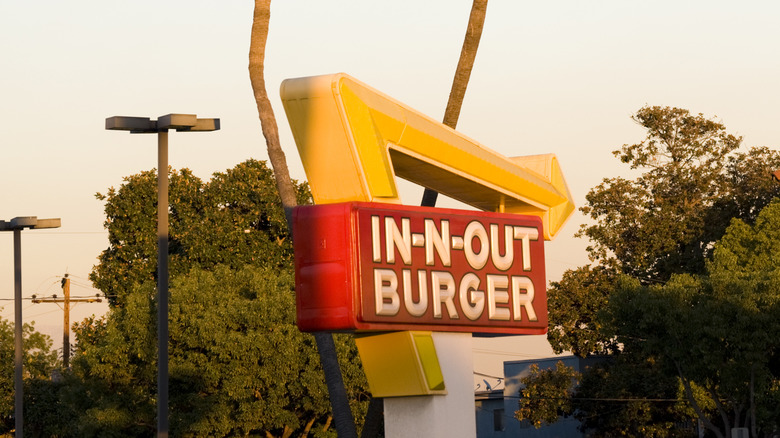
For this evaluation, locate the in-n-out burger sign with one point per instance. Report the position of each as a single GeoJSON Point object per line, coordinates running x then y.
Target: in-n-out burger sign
{"type": "Point", "coordinates": [378, 267]}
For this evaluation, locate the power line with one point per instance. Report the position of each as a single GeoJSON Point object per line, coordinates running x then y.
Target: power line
{"type": "Point", "coordinates": [86, 286]}
{"type": "Point", "coordinates": [66, 300]}
{"type": "Point", "coordinates": [505, 353]}
{"type": "Point", "coordinates": [72, 232]}
{"type": "Point", "coordinates": [56, 280]}
{"type": "Point", "coordinates": [79, 277]}
{"type": "Point", "coordinates": [625, 399]}
{"type": "Point", "coordinates": [488, 375]}
{"type": "Point", "coordinates": [41, 314]}
{"type": "Point", "coordinates": [36, 297]}
{"type": "Point", "coordinates": [78, 283]}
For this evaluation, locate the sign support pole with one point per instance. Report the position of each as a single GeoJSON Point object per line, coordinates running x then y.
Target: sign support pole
{"type": "Point", "coordinates": [439, 416]}
{"type": "Point", "coordinates": [354, 141]}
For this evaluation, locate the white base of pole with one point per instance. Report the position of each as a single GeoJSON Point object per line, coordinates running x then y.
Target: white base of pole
{"type": "Point", "coordinates": [439, 416]}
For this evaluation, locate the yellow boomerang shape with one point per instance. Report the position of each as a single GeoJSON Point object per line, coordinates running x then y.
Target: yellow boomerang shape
{"type": "Point", "coordinates": [353, 140]}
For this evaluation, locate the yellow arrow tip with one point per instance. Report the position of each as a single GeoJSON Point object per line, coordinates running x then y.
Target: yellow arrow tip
{"type": "Point", "coordinates": [547, 167]}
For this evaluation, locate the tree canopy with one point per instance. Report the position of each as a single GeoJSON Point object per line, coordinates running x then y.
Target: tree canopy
{"type": "Point", "coordinates": [664, 222]}
{"type": "Point", "coordinates": [717, 332]}
{"type": "Point", "coordinates": [547, 394]}
{"type": "Point", "coordinates": [38, 362]}
{"type": "Point", "coordinates": [234, 219]}
{"type": "Point", "coordinates": [662, 297]}
{"type": "Point", "coordinates": [694, 181]}
{"type": "Point", "coordinates": [238, 364]}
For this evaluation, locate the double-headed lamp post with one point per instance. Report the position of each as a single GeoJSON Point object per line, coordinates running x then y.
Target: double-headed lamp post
{"type": "Point", "coordinates": [144, 125]}
{"type": "Point", "coordinates": [16, 225]}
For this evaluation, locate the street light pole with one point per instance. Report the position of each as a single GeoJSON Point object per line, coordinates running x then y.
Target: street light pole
{"type": "Point", "coordinates": [144, 125]}
{"type": "Point", "coordinates": [16, 225]}
{"type": "Point", "coordinates": [18, 334]}
{"type": "Point", "coordinates": [162, 284]}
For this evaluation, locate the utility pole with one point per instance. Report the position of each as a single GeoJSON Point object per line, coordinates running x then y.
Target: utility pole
{"type": "Point", "coordinates": [66, 307]}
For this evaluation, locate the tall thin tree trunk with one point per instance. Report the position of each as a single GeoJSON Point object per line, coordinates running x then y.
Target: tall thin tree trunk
{"type": "Point", "coordinates": [371, 427]}
{"type": "Point", "coordinates": [259, 36]}
{"type": "Point", "coordinates": [721, 409]}
{"type": "Point", "coordinates": [692, 400]}
{"type": "Point", "coordinates": [345, 424]}
{"type": "Point", "coordinates": [753, 428]}
{"type": "Point", "coordinates": [468, 54]}
{"type": "Point", "coordinates": [307, 429]}
{"type": "Point", "coordinates": [460, 82]}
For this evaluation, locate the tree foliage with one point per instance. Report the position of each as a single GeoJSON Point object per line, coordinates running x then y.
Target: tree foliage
{"type": "Point", "coordinates": [38, 363]}
{"type": "Point", "coordinates": [574, 307]}
{"type": "Point", "coordinates": [694, 181]}
{"type": "Point", "coordinates": [664, 222]}
{"type": "Point", "coordinates": [238, 363]}
{"type": "Point", "coordinates": [660, 298]}
{"type": "Point", "coordinates": [726, 319]}
{"type": "Point", "coordinates": [234, 219]}
{"type": "Point", "coordinates": [547, 394]}
{"type": "Point", "coordinates": [633, 397]}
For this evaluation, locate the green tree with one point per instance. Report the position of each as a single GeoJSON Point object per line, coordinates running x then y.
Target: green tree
{"type": "Point", "coordinates": [233, 219]}
{"type": "Point", "coordinates": [38, 363]}
{"type": "Point", "coordinates": [547, 394]}
{"type": "Point", "coordinates": [238, 363]}
{"type": "Point", "coordinates": [645, 231]}
{"type": "Point", "coordinates": [607, 398]}
{"type": "Point", "coordinates": [694, 181]}
{"type": "Point", "coordinates": [633, 397]}
{"type": "Point", "coordinates": [574, 306]}
{"type": "Point", "coordinates": [726, 319]}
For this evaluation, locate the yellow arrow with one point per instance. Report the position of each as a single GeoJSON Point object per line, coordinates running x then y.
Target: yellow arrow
{"type": "Point", "coordinates": [354, 140]}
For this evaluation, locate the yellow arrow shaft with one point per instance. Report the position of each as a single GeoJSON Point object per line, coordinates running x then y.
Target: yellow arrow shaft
{"type": "Point", "coordinates": [354, 141]}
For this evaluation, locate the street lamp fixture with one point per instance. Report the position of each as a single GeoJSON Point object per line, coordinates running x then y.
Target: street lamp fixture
{"type": "Point", "coordinates": [144, 125]}
{"type": "Point", "coordinates": [16, 225]}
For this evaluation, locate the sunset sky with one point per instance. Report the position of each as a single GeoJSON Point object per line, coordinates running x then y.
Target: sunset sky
{"type": "Point", "coordinates": [557, 77]}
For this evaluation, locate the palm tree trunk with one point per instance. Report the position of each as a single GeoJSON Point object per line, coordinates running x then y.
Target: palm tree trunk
{"type": "Point", "coordinates": [373, 423]}
{"type": "Point", "coordinates": [259, 36]}
{"type": "Point", "coordinates": [468, 54]}
{"type": "Point", "coordinates": [345, 424]}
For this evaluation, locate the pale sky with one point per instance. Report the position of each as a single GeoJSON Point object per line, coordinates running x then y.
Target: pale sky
{"type": "Point", "coordinates": [557, 77]}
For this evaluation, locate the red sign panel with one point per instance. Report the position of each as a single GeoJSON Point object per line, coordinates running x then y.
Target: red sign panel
{"type": "Point", "coordinates": [380, 267]}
